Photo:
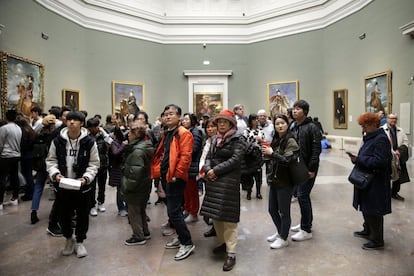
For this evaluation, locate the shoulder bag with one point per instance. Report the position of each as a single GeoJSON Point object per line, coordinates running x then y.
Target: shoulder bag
{"type": "Point", "coordinates": [360, 178]}
{"type": "Point", "coordinates": [298, 170]}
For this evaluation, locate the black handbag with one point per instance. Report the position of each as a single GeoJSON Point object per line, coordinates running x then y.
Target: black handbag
{"type": "Point", "coordinates": [298, 170]}
{"type": "Point", "coordinates": [360, 178]}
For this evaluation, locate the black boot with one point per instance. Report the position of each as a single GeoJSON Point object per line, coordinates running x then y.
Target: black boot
{"type": "Point", "coordinates": [249, 195]}
{"type": "Point", "coordinates": [258, 194]}
{"type": "Point", "coordinates": [33, 217]}
{"type": "Point", "coordinates": [210, 233]}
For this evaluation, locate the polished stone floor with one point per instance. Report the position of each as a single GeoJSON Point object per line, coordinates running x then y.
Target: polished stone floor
{"type": "Point", "coordinates": [26, 249]}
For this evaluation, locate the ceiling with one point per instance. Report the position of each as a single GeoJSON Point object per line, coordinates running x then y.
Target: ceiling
{"type": "Point", "coordinates": [204, 21]}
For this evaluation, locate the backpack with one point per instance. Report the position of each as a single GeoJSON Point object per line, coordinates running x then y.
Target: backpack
{"type": "Point", "coordinates": [40, 151]}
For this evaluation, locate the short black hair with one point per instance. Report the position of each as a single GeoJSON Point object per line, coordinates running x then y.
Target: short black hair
{"type": "Point", "coordinates": [11, 115]}
{"type": "Point", "coordinates": [93, 122]}
{"type": "Point", "coordinates": [303, 105]}
{"type": "Point", "coordinates": [75, 115]}
{"type": "Point", "coordinates": [193, 118]}
{"type": "Point", "coordinates": [173, 106]}
{"type": "Point", "coordinates": [55, 110]}
{"type": "Point", "coordinates": [143, 113]}
{"type": "Point", "coordinates": [36, 109]}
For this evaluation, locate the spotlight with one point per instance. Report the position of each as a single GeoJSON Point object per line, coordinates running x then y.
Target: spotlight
{"type": "Point", "coordinates": [45, 36]}
{"type": "Point", "coordinates": [362, 36]}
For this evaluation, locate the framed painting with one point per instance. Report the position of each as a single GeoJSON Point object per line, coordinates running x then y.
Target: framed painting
{"type": "Point", "coordinates": [378, 95]}
{"type": "Point", "coordinates": [21, 83]}
{"type": "Point", "coordinates": [207, 102]}
{"type": "Point", "coordinates": [281, 96]}
{"type": "Point", "coordinates": [340, 108]}
{"type": "Point", "coordinates": [127, 98]}
{"type": "Point", "coordinates": [70, 97]}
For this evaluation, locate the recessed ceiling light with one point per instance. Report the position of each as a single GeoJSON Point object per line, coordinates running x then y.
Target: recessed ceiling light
{"type": "Point", "coordinates": [206, 62]}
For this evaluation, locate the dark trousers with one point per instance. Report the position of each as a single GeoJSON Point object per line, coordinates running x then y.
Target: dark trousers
{"type": "Point", "coordinates": [9, 167]}
{"type": "Point", "coordinates": [138, 219]}
{"type": "Point", "coordinates": [53, 216]}
{"type": "Point", "coordinates": [305, 204]}
{"type": "Point", "coordinates": [374, 227]}
{"type": "Point", "coordinates": [26, 167]}
{"type": "Point", "coordinates": [247, 181]}
{"type": "Point", "coordinates": [279, 209]}
{"type": "Point", "coordinates": [101, 178]}
{"type": "Point", "coordinates": [395, 188]}
{"type": "Point", "coordinates": [175, 200]}
{"type": "Point", "coordinates": [68, 202]}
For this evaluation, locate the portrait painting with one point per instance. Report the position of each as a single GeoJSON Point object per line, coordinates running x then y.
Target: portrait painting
{"type": "Point", "coordinates": [378, 95]}
{"type": "Point", "coordinates": [127, 98]}
{"type": "Point", "coordinates": [207, 102]}
{"type": "Point", "coordinates": [21, 83]}
{"type": "Point", "coordinates": [281, 96]}
{"type": "Point", "coordinates": [340, 108]}
{"type": "Point", "coordinates": [70, 97]}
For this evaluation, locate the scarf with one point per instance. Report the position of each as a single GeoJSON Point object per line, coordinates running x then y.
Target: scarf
{"type": "Point", "coordinates": [222, 138]}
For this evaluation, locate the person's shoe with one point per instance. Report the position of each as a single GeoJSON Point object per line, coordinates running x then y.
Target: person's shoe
{"type": "Point", "coordinates": [295, 228]}
{"type": "Point", "coordinates": [190, 218]}
{"type": "Point", "coordinates": [210, 233]}
{"type": "Point", "coordinates": [135, 241]}
{"type": "Point", "coordinates": [184, 252]}
{"type": "Point", "coordinates": [33, 217]}
{"type": "Point", "coordinates": [259, 196]}
{"type": "Point", "coordinates": [302, 236]}
{"type": "Point", "coordinates": [93, 212]}
{"type": "Point", "coordinates": [168, 231]}
{"type": "Point", "coordinates": [80, 250]}
{"type": "Point", "coordinates": [69, 247]}
{"type": "Point", "coordinates": [101, 207]}
{"type": "Point", "coordinates": [373, 246]}
{"type": "Point", "coordinates": [229, 263]}
{"type": "Point", "coordinates": [249, 195]}
{"type": "Point", "coordinates": [220, 249]}
{"type": "Point", "coordinates": [26, 198]}
{"type": "Point", "coordinates": [147, 236]}
{"type": "Point", "coordinates": [273, 237]}
{"type": "Point", "coordinates": [279, 243]}
{"type": "Point", "coordinates": [13, 202]}
{"type": "Point", "coordinates": [54, 231]}
{"type": "Point", "coordinates": [123, 213]}
{"type": "Point", "coordinates": [175, 243]}
{"type": "Point", "coordinates": [398, 197]}
{"type": "Point", "coordinates": [361, 234]}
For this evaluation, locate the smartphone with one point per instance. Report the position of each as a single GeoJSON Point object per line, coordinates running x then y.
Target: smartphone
{"type": "Point", "coordinates": [350, 153]}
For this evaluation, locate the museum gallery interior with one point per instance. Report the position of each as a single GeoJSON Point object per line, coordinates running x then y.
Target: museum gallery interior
{"type": "Point", "coordinates": [264, 54]}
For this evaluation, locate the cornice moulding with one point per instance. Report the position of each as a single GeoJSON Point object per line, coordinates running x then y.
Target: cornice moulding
{"type": "Point", "coordinates": [126, 20]}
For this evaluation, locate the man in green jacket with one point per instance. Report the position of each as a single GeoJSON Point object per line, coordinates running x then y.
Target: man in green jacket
{"type": "Point", "coordinates": [136, 182]}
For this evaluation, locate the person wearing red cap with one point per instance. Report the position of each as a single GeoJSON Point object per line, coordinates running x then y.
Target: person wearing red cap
{"type": "Point", "coordinates": [223, 173]}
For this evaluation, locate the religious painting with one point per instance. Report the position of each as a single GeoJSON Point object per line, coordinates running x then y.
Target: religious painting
{"type": "Point", "coordinates": [21, 83]}
{"type": "Point", "coordinates": [378, 95]}
{"type": "Point", "coordinates": [127, 98]}
{"type": "Point", "coordinates": [281, 96]}
{"type": "Point", "coordinates": [70, 98]}
{"type": "Point", "coordinates": [207, 102]}
{"type": "Point", "coordinates": [340, 108]}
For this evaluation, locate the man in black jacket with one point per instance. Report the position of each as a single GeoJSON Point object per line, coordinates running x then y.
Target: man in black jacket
{"type": "Point", "coordinates": [309, 138]}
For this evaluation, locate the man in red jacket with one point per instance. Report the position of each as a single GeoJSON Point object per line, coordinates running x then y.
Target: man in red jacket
{"type": "Point", "coordinates": [171, 163]}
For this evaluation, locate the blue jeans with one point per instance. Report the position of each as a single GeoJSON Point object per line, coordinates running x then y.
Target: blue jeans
{"type": "Point", "coordinates": [39, 185]}
{"type": "Point", "coordinates": [175, 200]}
{"type": "Point", "coordinates": [305, 204]}
{"type": "Point", "coordinates": [279, 209]}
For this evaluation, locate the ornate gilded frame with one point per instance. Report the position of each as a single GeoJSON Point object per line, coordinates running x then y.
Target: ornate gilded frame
{"type": "Point", "coordinates": [378, 92]}
{"type": "Point", "coordinates": [281, 95]}
{"type": "Point", "coordinates": [22, 83]}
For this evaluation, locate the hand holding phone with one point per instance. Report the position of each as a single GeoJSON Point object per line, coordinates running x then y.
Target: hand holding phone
{"type": "Point", "coordinates": [350, 153]}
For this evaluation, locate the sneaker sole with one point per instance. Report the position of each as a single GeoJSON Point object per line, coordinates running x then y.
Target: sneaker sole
{"type": "Point", "coordinates": [135, 243]}
{"type": "Point", "coordinates": [185, 255]}
{"type": "Point", "coordinates": [303, 239]}
{"type": "Point", "coordinates": [53, 234]}
{"type": "Point", "coordinates": [172, 246]}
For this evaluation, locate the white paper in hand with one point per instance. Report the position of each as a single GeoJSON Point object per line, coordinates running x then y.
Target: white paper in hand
{"type": "Point", "coordinates": [69, 184]}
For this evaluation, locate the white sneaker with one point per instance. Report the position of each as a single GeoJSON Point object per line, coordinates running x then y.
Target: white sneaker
{"type": "Point", "coordinates": [101, 208]}
{"type": "Point", "coordinates": [81, 250]}
{"type": "Point", "coordinates": [302, 236]}
{"type": "Point", "coordinates": [190, 218]}
{"type": "Point", "coordinates": [93, 212]}
{"type": "Point", "coordinates": [273, 237]}
{"type": "Point", "coordinates": [175, 243]}
{"type": "Point", "coordinates": [184, 252]}
{"type": "Point", "coordinates": [69, 247]}
{"type": "Point", "coordinates": [11, 202]}
{"type": "Point", "coordinates": [123, 213]}
{"type": "Point", "coordinates": [279, 243]}
{"type": "Point", "coordinates": [295, 228]}
{"type": "Point", "coordinates": [168, 231]}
